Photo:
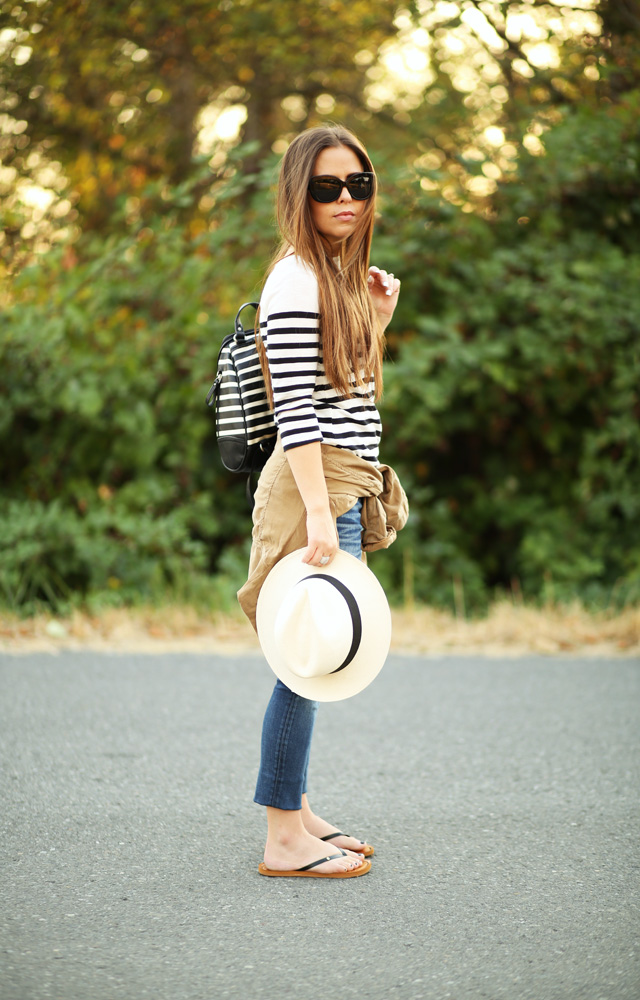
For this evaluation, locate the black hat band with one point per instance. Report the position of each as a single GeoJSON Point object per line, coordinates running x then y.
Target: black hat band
{"type": "Point", "coordinates": [354, 610]}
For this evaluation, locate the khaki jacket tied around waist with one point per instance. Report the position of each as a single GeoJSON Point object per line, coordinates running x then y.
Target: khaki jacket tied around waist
{"type": "Point", "coordinates": [280, 518]}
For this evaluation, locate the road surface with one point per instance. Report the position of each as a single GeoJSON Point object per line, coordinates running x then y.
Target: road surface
{"type": "Point", "coordinates": [501, 796]}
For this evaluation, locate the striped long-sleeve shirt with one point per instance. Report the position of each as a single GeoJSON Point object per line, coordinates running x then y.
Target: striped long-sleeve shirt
{"type": "Point", "coordinates": [307, 408]}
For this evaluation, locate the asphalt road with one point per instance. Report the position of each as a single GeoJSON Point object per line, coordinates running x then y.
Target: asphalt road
{"type": "Point", "coordinates": [501, 796]}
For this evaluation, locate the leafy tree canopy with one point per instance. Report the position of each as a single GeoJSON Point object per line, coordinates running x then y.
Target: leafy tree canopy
{"type": "Point", "coordinates": [104, 103]}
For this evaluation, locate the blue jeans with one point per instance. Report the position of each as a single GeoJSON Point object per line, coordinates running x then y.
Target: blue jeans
{"type": "Point", "coordinates": [289, 719]}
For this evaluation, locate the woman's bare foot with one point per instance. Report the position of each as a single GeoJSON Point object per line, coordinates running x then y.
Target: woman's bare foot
{"type": "Point", "coordinates": [321, 828]}
{"type": "Point", "coordinates": [299, 853]}
{"type": "Point", "coordinates": [290, 846]}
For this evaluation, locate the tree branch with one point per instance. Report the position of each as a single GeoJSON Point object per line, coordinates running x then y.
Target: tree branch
{"type": "Point", "coordinates": [513, 51]}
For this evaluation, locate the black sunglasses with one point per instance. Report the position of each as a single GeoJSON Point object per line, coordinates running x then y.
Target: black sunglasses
{"type": "Point", "coordinates": [325, 188]}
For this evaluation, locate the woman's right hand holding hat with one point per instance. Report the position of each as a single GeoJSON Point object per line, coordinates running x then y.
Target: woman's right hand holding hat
{"type": "Point", "coordinates": [322, 538]}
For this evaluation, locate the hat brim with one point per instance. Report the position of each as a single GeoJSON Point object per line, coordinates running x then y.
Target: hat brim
{"type": "Point", "coordinates": [376, 625]}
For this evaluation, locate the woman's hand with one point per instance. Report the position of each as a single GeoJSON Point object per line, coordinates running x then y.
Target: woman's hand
{"type": "Point", "coordinates": [384, 289]}
{"type": "Point", "coordinates": [322, 539]}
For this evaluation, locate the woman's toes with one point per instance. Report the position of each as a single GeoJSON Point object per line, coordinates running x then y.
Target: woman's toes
{"type": "Point", "coordinates": [345, 864]}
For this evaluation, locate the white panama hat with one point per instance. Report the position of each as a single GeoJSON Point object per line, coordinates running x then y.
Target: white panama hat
{"type": "Point", "coordinates": [324, 631]}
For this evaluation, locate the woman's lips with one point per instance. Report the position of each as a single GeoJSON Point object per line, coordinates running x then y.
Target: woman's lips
{"type": "Point", "coordinates": [345, 215]}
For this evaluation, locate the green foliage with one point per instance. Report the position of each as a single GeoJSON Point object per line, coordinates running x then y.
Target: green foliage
{"type": "Point", "coordinates": [111, 476]}
{"type": "Point", "coordinates": [513, 402]}
{"type": "Point", "coordinates": [511, 407]}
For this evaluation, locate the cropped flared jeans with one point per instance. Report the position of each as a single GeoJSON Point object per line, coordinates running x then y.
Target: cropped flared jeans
{"type": "Point", "coordinates": [289, 719]}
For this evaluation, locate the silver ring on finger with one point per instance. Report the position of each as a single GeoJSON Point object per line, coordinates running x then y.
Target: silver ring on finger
{"type": "Point", "coordinates": [324, 560]}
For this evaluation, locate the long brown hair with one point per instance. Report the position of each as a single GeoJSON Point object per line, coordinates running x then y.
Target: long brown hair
{"type": "Point", "coordinates": [351, 336]}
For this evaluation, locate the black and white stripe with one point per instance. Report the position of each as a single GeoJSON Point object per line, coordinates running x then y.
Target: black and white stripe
{"type": "Point", "coordinates": [241, 401]}
{"type": "Point", "coordinates": [307, 408]}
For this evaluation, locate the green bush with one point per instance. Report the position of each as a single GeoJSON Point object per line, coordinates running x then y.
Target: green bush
{"type": "Point", "coordinates": [511, 403]}
{"type": "Point", "coordinates": [111, 479]}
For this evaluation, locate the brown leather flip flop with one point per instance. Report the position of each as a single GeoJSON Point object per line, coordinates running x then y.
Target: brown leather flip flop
{"type": "Point", "coordinates": [362, 869]}
{"type": "Point", "coordinates": [366, 849]}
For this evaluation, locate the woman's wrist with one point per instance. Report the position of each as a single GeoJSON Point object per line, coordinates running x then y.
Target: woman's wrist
{"type": "Point", "coordinates": [319, 511]}
{"type": "Point", "coordinates": [383, 319]}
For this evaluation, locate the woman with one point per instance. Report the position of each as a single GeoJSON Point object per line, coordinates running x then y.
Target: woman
{"type": "Point", "coordinates": [323, 311]}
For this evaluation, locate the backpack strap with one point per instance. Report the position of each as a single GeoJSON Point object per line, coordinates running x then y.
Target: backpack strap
{"type": "Point", "coordinates": [240, 331]}
{"type": "Point", "coordinates": [238, 327]}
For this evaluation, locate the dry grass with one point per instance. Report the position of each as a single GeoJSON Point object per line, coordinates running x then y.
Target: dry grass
{"type": "Point", "coordinates": [507, 630]}
{"type": "Point", "coordinates": [516, 630]}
